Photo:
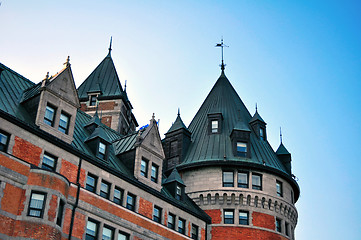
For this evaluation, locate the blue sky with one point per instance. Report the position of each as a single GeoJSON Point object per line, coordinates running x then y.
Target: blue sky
{"type": "Point", "coordinates": [300, 61]}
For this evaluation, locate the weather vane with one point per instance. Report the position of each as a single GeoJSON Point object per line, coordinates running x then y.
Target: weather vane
{"type": "Point", "coordinates": [222, 46]}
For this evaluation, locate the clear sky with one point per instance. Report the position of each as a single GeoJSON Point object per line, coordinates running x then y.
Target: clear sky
{"type": "Point", "coordinates": [300, 61]}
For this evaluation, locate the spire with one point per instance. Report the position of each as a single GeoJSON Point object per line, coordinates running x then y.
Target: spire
{"type": "Point", "coordinates": [221, 45]}
{"type": "Point", "coordinates": [110, 46]}
{"type": "Point", "coordinates": [281, 134]}
{"type": "Point", "coordinates": [178, 112]}
{"type": "Point", "coordinates": [67, 63]}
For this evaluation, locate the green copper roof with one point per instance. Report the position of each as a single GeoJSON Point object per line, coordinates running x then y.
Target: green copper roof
{"type": "Point", "coordinates": [178, 124]}
{"type": "Point", "coordinates": [282, 150]}
{"type": "Point", "coordinates": [256, 117]}
{"type": "Point", "coordinates": [174, 177]}
{"type": "Point", "coordinates": [208, 148]}
{"type": "Point", "coordinates": [103, 79]}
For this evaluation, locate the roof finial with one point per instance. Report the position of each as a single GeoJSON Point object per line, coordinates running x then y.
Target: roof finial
{"type": "Point", "coordinates": [281, 134]}
{"type": "Point", "coordinates": [125, 86]}
{"type": "Point", "coordinates": [178, 112]}
{"type": "Point", "coordinates": [256, 107]}
{"type": "Point", "coordinates": [67, 63]}
{"type": "Point", "coordinates": [110, 45]}
{"type": "Point", "coordinates": [222, 46]}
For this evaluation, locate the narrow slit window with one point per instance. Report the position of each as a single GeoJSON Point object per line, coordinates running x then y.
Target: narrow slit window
{"type": "Point", "coordinates": [279, 188]}
{"type": "Point", "coordinates": [59, 218]}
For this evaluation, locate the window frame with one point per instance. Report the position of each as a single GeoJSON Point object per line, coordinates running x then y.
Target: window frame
{"type": "Point", "coordinates": [227, 219]}
{"type": "Point", "coordinates": [4, 146]}
{"type": "Point", "coordinates": [279, 188]}
{"type": "Point", "coordinates": [227, 184]}
{"type": "Point", "coordinates": [214, 126]}
{"type": "Point", "coordinates": [47, 166]}
{"type": "Point", "coordinates": [88, 236]}
{"type": "Point", "coordinates": [156, 218]}
{"type": "Point", "coordinates": [194, 232]}
{"type": "Point", "coordinates": [91, 100]}
{"type": "Point", "coordinates": [278, 225]}
{"type": "Point", "coordinates": [41, 210]}
{"type": "Point", "coordinates": [287, 230]}
{"type": "Point", "coordinates": [183, 229]}
{"type": "Point", "coordinates": [101, 154]}
{"type": "Point", "coordinates": [171, 225]}
{"type": "Point", "coordinates": [61, 128]}
{"type": "Point", "coordinates": [102, 193]}
{"type": "Point", "coordinates": [243, 221]}
{"type": "Point", "coordinates": [154, 178]}
{"type": "Point", "coordinates": [126, 235]}
{"type": "Point", "coordinates": [242, 185]}
{"type": "Point", "coordinates": [59, 218]}
{"type": "Point", "coordinates": [111, 229]}
{"type": "Point", "coordinates": [242, 153]}
{"type": "Point", "coordinates": [257, 187]}
{"type": "Point", "coordinates": [178, 192]}
{"type": "Point", "coordinates": [116, 188]}
{"type": "Point", "coordinates": [47, 121]}
{"type": "Point", "coordinates": [131, 206]}
{"type": "Point", "coordinates": [145, 172]}
{"type": "Point", "coordinates": [95, 183]}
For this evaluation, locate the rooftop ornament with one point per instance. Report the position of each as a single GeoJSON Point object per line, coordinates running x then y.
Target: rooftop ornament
{"type": "Point", "coordinates": [221, 45]}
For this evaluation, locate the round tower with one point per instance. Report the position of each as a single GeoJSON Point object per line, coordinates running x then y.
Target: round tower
{"type": "Point", "coordinates": [231, 171]}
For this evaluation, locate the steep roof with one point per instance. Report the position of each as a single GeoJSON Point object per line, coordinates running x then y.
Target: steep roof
{"type": "Point", "coordinates": [103, 79]}
{"type": "Point", "coordinates": [257, 117]}
{"type": "Point", "coordinates": [174, 177]}
{"type": "Point", "coordinates": [208, 148]}
{"type": "Point", "coordinates": [282, 150]}
{"type": "Point", "coordinates": [178, 124]}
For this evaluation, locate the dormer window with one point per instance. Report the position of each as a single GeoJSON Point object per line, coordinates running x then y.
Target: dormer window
{"type": "Point", "coordinates": [215, 126]}
{"type": "Point", "coordinates": [93, 100]}
{"type": "Point", "coordinates": [49, 115]}
{"type": "Point", "coordinates": [144, 168]}
{"type": "Point", "coordinates": [261, 133]}
{"type": "Point", "coordinates": [241, 149]}
{"type": "Point", "coordinates": [178, 193]}
{"type": "Point", "coordinates": [154, 174]}
{"type": "Point", "coordinates": [101, 150]}
{"type": "Point", "coordinates": [214, 123]}
{"type": "Point", "coordinates": [64, 123]}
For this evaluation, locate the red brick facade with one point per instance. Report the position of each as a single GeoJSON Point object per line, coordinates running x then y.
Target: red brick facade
{"type": "Point", "coordinates": [26, 151]}
{"type": "Point", "coordinates": [215, 214]}
{"type": "Point", "coordinates": [145, 208]}
{"type": "Point", "coordinates": [230, 233]}
{"type": "Point", "coordinates": [263, 220]}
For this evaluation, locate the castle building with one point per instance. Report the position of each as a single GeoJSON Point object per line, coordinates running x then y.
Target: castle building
{"type": "Point", "coordinates": [74, 166]}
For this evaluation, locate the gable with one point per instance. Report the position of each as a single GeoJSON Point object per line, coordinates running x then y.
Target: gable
{"type": "Point", "coordinates": [152, 141]}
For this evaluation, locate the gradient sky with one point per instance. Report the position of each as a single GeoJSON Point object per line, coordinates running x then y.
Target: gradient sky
{"type": "Point", "coordinates": [300, 61]}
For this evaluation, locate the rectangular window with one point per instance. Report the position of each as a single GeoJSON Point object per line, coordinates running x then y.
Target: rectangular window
{"type": "Point", "coordinates": [91, 230]}
{"type": "Point", "coordinates": [118, 196]}
{"type": "Point", "coordinates": [4, 141]}
{"type": "Point", "coordinates": [130, 202]}
{"type": "Point", "coordinates": [157, 213]}
{"type": "Point", "coordinates": [287, 226]}
{"type": "Point", "coordinates": [49, 115]}
{"type": "Point", "coordinates": [49, 162]}
{"type": "Point", "coordinates": [194, 231]}
{"type": "Point", "coordinates": [278, 225]}
{"type": "Point", "coordinates": [154, 173]}
{"type": "Point", "coordinates": [178, 195]}
{"type": "Point", "coordinates": [171, 221]}
{"type": "Point", "coordinates": [214, 126]}
{"type": "Point", "coordinates": [108, 233]}
{"type": "Point", "coordinates": [228, 179]}
{"type": "Point", "coordinates": [123, 236]}
{"type": "Point", "coordinates": [261, 133]}
{"type": "Point", "coordinates": [243, 218]}
{"type": "Point", "coordinates": [181, 226]}
{"type": "Point", "coordinates": [64, 123]}
{"type": "Point", "coordinates": [256, 182]}
{"type": "Point", "coordinates": [241, 149]}
{"type": "Point", "coordinates": [91, 183]}
{"type": "Point", "coordinates": [279, 188]}
{"type": "Point", "coordinates": [228, 216]}
{"type": "Point", "coordinates": [242, 179]}
{"type": "Point", "coordinates": [101, 150]}
{"type": "Point", "coordinates": [93, 100]}
{"type": "Point", "coordinates": [59, 218]}
{"type": "Point", "coordinates": [144, 168]}
{"type": "Point", "coordinates": [37, 204]}
{"type": "Point", "coordinates": [105, 189]}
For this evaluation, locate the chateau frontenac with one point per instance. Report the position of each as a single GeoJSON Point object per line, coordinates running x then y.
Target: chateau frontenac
{"type": "Point", "coordinates": [74, 164]}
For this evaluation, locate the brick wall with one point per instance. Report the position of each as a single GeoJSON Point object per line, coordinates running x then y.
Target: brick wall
{"type": "Point", "coordinates": [263, 220]}
{"type": "Point", "coordinates": [226, 233]}
{"type": "Point", "coordinates": [27, 151]}
{"type": "Point", "coordinates": [145, 208]}
{"type": "Point", "coordinates": [13, 199]}
{"type": "Point", "coordinates": [70, 171]}
{"type": "Point", "coordinates": [107, 120]}
{"type": "Point", "coordinates": [48, 181]}
{"type": "Point", "coordinates": [215, 214]}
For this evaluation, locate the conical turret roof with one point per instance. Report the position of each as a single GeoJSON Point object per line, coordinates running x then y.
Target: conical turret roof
{"type": "Point", "coordinates": [207, 148]}
{"type": "Point", "coordinates": [257, 117]}
{"type": "Point", "coordinates": [282, 150]}
{"type": "Point", "coordinates": [178, 124]}
{"type": "Point", "coordinates": [103, 79]}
